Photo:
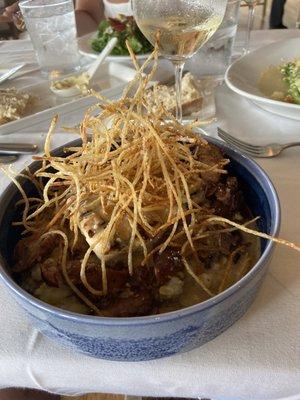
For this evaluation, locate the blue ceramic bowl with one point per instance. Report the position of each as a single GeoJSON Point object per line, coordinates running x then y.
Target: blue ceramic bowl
{"type": "Point", "coordinates": [145, 338]}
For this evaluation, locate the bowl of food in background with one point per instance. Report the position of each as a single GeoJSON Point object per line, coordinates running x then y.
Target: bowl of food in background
{"type": "Point", "coordinates": [136, 252]}
{"type": "Point", "coordinates": [269, 77]}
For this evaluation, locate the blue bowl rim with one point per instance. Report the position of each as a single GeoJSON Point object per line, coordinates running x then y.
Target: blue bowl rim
{"type": "Point", "coordinates": [251, 166]}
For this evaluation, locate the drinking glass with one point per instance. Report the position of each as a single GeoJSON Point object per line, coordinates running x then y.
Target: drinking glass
{"type": "Point", "coordinates": [180, 28]}
{"type": "Point", "coordinates": [52, 29]}
{"type": "Point", "coordinates": [251, 9]}
{"type": "Point", "coordinates": [213, 59]}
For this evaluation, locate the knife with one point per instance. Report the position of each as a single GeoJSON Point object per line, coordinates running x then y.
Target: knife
{"type": "Point", "coordinates": [18, 148]}
{"type": "Point", "coordinates": [10, 72]}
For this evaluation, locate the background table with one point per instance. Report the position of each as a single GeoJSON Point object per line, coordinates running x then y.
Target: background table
{"type": "Point", "coordinates": [257, 358]}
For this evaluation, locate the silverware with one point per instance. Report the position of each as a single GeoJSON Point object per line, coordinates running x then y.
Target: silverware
{"type": "Point", "coordinates": [268, 150]}
{"type": "Point", "coordinates": [18, 148]}
{"type": "Point", "coordinates": [8, 159]}
{"type": "Point", "coordinates": [25, 72]}
{"type": "Point", "coordinates": [11, 72]}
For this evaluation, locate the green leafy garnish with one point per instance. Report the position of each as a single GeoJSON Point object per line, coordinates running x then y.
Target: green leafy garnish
{"type": "Point", "coordinates": [291, 76]}
{"type": "Point", "coordinates": [123, 28]}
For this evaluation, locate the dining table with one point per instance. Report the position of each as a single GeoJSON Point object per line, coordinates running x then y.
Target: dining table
{"type": "Point", "coordinates": [258, 358]}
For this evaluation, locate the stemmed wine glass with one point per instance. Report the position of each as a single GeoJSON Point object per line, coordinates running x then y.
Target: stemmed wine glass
{"type": "Point", "coordinates": [180, 27]}
{"type": "Point", "coordinates": [251, 4]}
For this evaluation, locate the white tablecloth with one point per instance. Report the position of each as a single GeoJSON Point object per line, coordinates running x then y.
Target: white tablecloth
{"type": "Point", "coordinates": [257, 358]}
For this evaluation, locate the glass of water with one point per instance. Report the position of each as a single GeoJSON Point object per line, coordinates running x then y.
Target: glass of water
{"type": "Point", "coordinates": [215, 56]}
{"type": "Point", "coordinates": [52, 29]}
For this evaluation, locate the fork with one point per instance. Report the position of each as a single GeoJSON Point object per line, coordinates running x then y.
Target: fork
{"type": "Point", "coordinates": [268, 150]}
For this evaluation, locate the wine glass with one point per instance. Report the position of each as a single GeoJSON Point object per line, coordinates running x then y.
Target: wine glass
{"type": "Point", "coordinates": [180, 27]}
{"type": "Point", "coordinates": [251, 4]}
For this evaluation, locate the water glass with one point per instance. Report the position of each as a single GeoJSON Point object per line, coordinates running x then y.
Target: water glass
{"type": "Point", "coordinates": [215, 56]}
{"type": "Point", "coordinates": [52, 29]}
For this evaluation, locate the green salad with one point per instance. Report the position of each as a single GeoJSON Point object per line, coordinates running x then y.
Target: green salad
{"type": "Point", "coordinates": [123, 28]}
{"type": "Point", "coordinates": [291, 76]}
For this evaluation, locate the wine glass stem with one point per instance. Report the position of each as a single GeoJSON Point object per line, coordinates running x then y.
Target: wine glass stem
{"type": "Point", "coordinates": [249, 27]}
{"type": "Point", "coordinates": [178, 65]}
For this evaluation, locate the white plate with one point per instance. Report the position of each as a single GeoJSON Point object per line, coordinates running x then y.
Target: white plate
{"type": "Point", "coordinates": [244, 74]}
{"type": "Point", "coordinates": [111, 79]}
{"type": "Point", "coordinates": [86, 50]}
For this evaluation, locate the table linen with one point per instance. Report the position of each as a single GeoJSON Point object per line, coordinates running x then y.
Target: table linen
{"type": "Point", "coordinates": [257, 358]}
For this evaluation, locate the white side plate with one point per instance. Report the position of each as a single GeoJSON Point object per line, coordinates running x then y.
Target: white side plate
{"type": "Point", "coordinates": [244, 74]}
{"type": "Point", "coordinates": [110, 80]}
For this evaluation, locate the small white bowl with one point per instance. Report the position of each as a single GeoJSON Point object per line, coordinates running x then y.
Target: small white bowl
{"type": "Point", "coordinates": [68, 92]}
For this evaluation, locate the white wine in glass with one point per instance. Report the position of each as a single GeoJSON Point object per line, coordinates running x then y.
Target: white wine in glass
{"type": "Point", "coordinates": [180, 27]}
